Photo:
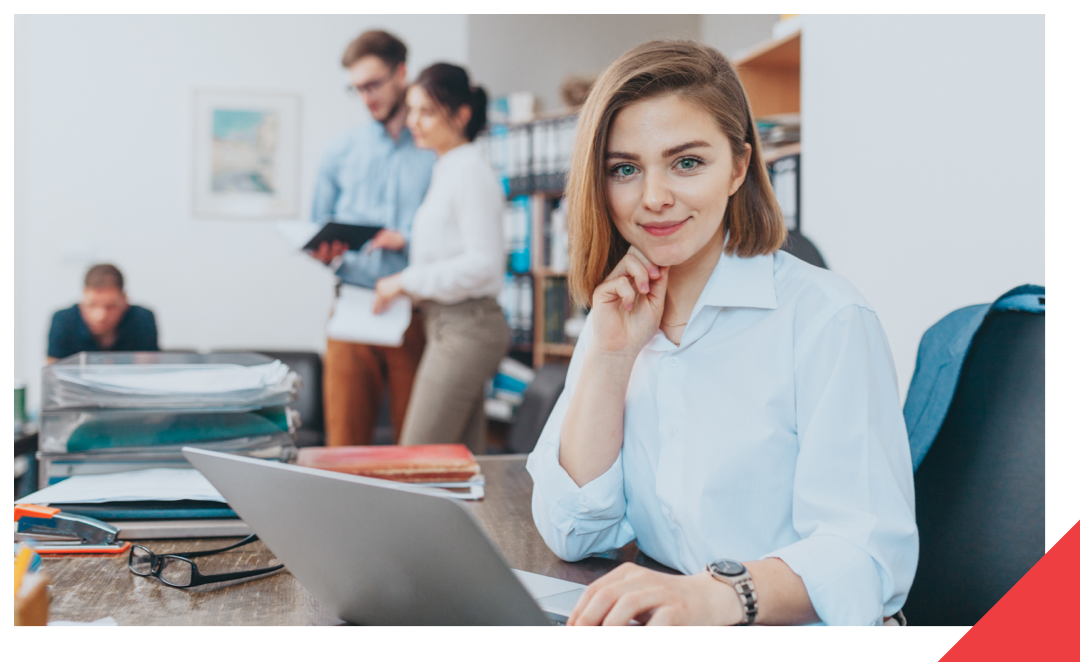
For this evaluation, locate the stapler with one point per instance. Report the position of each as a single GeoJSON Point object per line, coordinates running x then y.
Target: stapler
{"type": "Point", "coordinates": [50, 531]}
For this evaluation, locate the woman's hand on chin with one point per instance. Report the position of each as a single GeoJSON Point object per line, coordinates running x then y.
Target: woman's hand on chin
{"type": "Point", "coordinates": [628, 305]}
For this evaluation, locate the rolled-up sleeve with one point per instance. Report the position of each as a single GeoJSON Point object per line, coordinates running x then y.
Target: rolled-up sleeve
{"type": "Point", "coordinates": [853, 499]}
{"type": "Point", "coordinates": [575, 521]}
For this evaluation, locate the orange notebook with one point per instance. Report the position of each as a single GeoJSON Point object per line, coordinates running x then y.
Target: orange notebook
{"type": "Point", "coordinates": [433, 463]}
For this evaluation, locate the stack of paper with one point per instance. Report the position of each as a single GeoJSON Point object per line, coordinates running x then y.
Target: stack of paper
{"type": "Point", "coordinates": [147, 485]}
{"type": "Point", "coordinates": [109, 412]}
{"type": "Point", "coordinates": [163, 381]}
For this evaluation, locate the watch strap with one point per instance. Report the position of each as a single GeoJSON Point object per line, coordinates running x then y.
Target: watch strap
{"type": "Point", "coordinates": [744, 588]}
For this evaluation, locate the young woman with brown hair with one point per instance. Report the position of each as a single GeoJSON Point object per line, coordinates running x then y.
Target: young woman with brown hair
{"type": "Point", "coordinates": [728, 406]}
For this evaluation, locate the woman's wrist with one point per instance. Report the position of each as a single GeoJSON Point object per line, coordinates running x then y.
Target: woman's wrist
{"type": "Point", "coordinates": [611, 364]}
{"type": "Point", "coordinates": [723, 604]}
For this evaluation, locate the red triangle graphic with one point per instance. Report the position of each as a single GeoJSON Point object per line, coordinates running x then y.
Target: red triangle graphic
{"type": "Point", "coordinates": [1035, 618]}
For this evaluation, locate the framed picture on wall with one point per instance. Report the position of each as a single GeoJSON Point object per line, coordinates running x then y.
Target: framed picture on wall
{"type": "Point", "coordinates": [246, 155]}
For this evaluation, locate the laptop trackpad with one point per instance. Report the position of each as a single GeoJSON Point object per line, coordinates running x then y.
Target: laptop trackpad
{"type": "Point", "coordinates": [561, 603]}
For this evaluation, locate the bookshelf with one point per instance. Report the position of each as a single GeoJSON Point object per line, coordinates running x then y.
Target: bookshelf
{"type": "Point", "coordinates": [771, 74]}
{"type": "Point", "coordinates": [532, 159]}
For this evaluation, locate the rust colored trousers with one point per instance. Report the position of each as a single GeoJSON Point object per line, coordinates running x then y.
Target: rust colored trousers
{"type": "Point", "coordinates": [354, 376]}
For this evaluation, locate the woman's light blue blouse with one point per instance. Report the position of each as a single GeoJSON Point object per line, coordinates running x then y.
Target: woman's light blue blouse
{"type": "Point", "coordinates": [774, 430]}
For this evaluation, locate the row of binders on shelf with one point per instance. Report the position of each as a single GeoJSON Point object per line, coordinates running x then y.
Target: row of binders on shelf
{"type": "Point", "coordinates": [506, 391]}
{"type": "Point", "coordinates": [784, 176]}
{"type": "Point", "coordinates": [110, 412]}
{"type": "Point", "coordinates": [780, 136]}
{"type": "Point", "coordinates": [516, 299]}
{"type": "Point", "coordinates": [532, 156]}
{"type": "Point", "coordinates": [563, 319]}
{"type": "Point", "coordinates": [556, 255]}
{"type": "Point", "coordinates": [517, 230]}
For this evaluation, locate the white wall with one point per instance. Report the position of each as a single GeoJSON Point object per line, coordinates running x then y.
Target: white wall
{"type": "Point", "coordinates": [734, 34]}
{"type": "Point", "coordinates": [511, 53]}
{"type": "Point", "coordinates": [103, 139]}
{"type": "Point", "coordinates": [923, 147]}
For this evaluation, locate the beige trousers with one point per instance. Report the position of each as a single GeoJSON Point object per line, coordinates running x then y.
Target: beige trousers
{"type": "Point", "coordinates": [465, 342]}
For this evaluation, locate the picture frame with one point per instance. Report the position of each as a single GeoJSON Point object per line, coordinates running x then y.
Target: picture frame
{"type": "Point", "coordinates": [246, 154]}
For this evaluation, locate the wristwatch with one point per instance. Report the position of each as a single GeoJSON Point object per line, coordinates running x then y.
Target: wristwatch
{"type": "Point", "coordinates": [737, 576]}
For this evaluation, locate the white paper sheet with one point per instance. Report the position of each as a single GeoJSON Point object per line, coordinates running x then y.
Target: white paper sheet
{"type": "Point", "coordinates": [193, 379]}
{"type": "Point", "coordinates": [354, 319]}
{"type": "Point", "coordinates": [145, 485]}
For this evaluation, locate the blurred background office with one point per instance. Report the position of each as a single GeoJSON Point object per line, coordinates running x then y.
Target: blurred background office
{"type": "Point", "coordinates": [921, 143]}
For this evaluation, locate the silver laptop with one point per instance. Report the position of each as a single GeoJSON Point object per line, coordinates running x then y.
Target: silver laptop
{"type": "Point", "coordinates": [381, 553]}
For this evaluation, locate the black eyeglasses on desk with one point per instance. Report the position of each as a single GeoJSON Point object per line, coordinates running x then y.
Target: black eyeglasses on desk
{"type": "Point", "coordinates": [179, 571]}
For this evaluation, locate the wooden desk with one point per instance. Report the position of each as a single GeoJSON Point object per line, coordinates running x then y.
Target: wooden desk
{"type": "Point", "coordinates": [87, 588]}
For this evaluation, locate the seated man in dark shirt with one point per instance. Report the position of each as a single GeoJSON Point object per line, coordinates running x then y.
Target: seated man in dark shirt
{"type": "Point", "coordinates": [103, 321]}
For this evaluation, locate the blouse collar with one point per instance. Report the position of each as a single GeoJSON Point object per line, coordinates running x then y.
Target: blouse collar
{"type": "Point", "coordinates": [739, 282]}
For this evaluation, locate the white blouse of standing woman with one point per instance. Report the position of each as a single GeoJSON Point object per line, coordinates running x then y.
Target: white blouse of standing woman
{"type": "Point", "coordinates": [474, 259]}
{"type": "Point", "coordinates": [727, 405]}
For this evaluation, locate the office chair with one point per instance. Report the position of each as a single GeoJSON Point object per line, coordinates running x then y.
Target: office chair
{"type": "Point", "coordinates": [802, 248]}
{"type": "Point", "coordinates": [309, 403]}
{"type": "Point", "coordinates": [540, 399]}
{"type": "Point", "coordinates": [980, 491]}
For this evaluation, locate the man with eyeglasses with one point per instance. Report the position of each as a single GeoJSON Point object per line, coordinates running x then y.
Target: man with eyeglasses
{"type": "Point", "coordinates": [373, 175]}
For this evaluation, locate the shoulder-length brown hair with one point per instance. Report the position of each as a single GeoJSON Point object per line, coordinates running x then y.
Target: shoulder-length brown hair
{"type": "Point", "coordinates": [701, 75]}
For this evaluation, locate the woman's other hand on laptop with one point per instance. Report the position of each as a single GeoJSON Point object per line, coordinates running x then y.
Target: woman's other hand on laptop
{"type": "Point", "coordinates": [631, 592]}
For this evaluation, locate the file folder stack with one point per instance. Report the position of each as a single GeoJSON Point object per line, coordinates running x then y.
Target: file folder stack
{"type": "Point", "coordinates": [107, 412]}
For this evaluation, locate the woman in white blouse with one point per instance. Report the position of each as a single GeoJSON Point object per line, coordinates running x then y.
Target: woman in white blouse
{"type": "Point", "coordinates": [456, 264]}
{"type": "Point", "coordinates": [732, 409]}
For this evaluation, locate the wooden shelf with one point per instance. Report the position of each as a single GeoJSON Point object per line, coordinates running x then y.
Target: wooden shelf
{"type": "Point", "coordinates": [558, 350]}
{"type": "Point", "coordinates": [770, 74]}
{"type": "Point", "coordinates": [770, 154]}
{"type": "Point", "coordinates": [546, 272]}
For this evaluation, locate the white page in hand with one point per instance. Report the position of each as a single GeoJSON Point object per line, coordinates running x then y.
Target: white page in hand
{"type": "Point", "coordinates": [145, 485]}
{"type": "Point", "coordinates": [354, 319]}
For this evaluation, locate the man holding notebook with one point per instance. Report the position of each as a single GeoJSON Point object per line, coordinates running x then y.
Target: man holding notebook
{"type": "Point", "coordinates": [373, 175]}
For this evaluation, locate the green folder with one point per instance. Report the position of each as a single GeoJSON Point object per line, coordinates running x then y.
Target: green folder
{"type": "Point", "coordinates": [135, 429]}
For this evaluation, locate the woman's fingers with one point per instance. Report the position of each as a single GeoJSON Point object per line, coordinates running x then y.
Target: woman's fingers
{"type": "Point", "coordinates": [638, 267]}
{"type": "Point", "coordinates": [634, 601]}
{"type": "Point", "coordinates": [662, 616]}
{"type": "Point", "coordinates": [598, 605]}
{"type": "Point", "coordinates": [658, 290]}
{"type": "Point", "coordinates": [597, 599]}
{"type": "Point", "coordinates": [616, 291]}
{"type": "Point", "coordinates": [652, 269]}
{"type": "Point", "coordinates": [626, 292]}
{"type": "Point", "coordinates": [610, 578]}
{"type": "Point", "coordinates": [637, 271]}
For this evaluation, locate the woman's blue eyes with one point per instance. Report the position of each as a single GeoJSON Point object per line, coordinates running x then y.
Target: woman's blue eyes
{"type": "Point", "coordinates": [624, 170]}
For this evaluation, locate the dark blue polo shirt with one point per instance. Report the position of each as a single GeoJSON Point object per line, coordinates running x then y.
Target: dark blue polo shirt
{"type": "Point", "coordinates": [69, 334]}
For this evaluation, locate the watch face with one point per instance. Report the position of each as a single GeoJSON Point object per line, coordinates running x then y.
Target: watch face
{"type": "Point", "coordinates": [728, 568]}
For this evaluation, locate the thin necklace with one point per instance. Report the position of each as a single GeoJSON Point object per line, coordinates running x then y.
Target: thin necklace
{"type": "Point", "coordinates": [675, 326]}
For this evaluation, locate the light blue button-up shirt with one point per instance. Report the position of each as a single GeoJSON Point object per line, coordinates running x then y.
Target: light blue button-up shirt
{"type": "Point", "coordinates": [773, 430]}
{"type": "Point", "coordinates": [368, 178]}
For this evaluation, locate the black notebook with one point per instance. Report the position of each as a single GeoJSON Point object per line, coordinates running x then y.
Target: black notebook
{"type": "Point", "coordinates": [140, 510]}
{"type": "Point", "coordinates": [353, 235]}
